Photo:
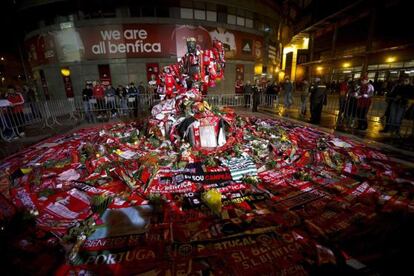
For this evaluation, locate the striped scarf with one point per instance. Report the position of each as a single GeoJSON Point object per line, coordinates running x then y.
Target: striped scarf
{"type": "Point", "coordinates": [240, 167]}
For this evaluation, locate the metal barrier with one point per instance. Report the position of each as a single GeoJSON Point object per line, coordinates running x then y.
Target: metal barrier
{"type": "Point", "coordinates": [54, 112]}
{"type": "Point", "coordinates": [228, 100]}
{"type": "Point", "coordinates": [346, 113]}
{"type": "Point", "coordinates": [13, 119]}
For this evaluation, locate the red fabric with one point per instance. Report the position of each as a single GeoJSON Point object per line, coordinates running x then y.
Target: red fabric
{"type": "Point", "coordinates": [238, 87]}
{"type": "Point", "coordinates": [98, 91]}
{"type": "Point", "coordinates": [15, 99]}
{"type": "Point", "coordinates": [364, 102]}
{"type": "Point", "coordinates": [343, 88]}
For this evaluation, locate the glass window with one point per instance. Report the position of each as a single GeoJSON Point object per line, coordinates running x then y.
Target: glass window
{"type": "Point", "coordinates": [200, 14]}
{"type": "Point", "coordinates": [396, 65]}
{"type": "Point", "coordinates": [221, 17]}
{"type": "Point", "coordinates": [372, 67]}
{"type": "Point", "coordinates": [383, 66]}
{"type": "Point", "coordinates": [186, 13]}
{"type": "Point", "coordinates": [409, 63]}
{"type": "Point", "coordinates": [249, 23]}
{"type": "Point", "coordinates": [211, 16]}
{"type": "Point", "coordinates": [231, 19]}
{"type": "Point", "coordinates": [221, 14]}
{"type": "Point", "coordinates": [240, 21]}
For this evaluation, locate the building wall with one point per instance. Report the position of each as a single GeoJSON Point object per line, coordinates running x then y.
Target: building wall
{"type": "Point", "coordinates": [263, 17]}
{"type": "Point", "coordinates": [126, 70]}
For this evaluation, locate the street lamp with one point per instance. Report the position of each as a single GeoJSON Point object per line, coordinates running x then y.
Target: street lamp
{"type": "Point", "coordinates": [65, 72]}
{"type": "Point", "coordinates": [2, 58]}
{"type": "Point", "coordinates": [346, 64]}
{"type": "Point", "coordinates": [391, 59]}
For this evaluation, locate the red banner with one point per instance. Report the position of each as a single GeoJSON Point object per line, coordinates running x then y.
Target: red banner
{"type": "Point", "coordinates": [152, 69]}
{"type": "Point", "coordinates": [127, 41]}
{"type": "Point", "coordinates": [137, 41]}
{"type": "Point", "coordinates": [68, 86]}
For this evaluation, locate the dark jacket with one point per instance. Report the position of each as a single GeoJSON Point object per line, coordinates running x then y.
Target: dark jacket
{"type": "Point", "coordinates": [87, 93]}
{"type": "Point", "coordinates": [402, 94]}
{"type": "Point", "coordinates": [248, 89]}
{"type": "Point", "coordinates": [121, 92]}
{"type": "Point", "coordinates": [318, 94]}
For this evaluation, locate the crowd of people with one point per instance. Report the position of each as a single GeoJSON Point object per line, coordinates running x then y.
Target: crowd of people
{"type": "Point", "coordinates": [12, 117]}
{"type": "Point", "coordinates": [98, 99]}
{"type": "Point", "coordinates": [355, 99]}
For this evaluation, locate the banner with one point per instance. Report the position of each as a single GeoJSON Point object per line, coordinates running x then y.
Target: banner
{"type": "Point", "coordinates": [67, 81]}
{"type": "Point", "coordinates": [127, 41]}
{"type": "Point", "coordinates": [240, 72]}
{"type": "Point", "coordinates": [137, 41]}
{"type": "Point", "coordinates": [152, 69]}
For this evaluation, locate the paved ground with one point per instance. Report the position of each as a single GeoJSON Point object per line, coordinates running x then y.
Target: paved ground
{"type": "Point", "coordinates": [401, 148]}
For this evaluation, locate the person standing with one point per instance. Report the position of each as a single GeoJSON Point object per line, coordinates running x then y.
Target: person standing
{"type": "Point", "coordinates": [248, 92]}
{"type": "Point", "coordinates": [402, 94]}
{"type": "Point", "coordinates": [152, 86]}
{"type": "Point", "coordinates": [132, 93]}
{"type": "Point", "coordinates": [99, 95]}
{"type": "Point", "coordinates": [110, 99]}
{"type": "Point", "coordinates": [87, 94]}
{"type": "Point", "coordinates": [238, 86]}
{"type": "Point", "coordinates": [288, 90]}
{"type": "Point", "coordinates": [121, 92]}
{"type": "Point", "coordinates": [303, 96]}
{"type": "Point", "coordinates": [366, 92]}
{"type": "Point", "coordinates": [389, 99]}
{"type": "Point", "coordinates": [317, 100]}
{"type": "Point", "coordinates": [257, 91]}
{"type": "Point", "coordinates": [343, 92]}
{"type": "Point", "coordinates": [16, 99]}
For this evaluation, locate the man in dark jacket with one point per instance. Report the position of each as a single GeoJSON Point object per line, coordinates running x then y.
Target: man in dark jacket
{"type": "Point", "coordinates": [88, 107]}
{"type": "Point", "coordinates": [257, 91]}
{"type": "Point", "coordinates": [398, 105]}
{"type": "Point", "coordinates": [317, 100]}
{"type": "Point", "coordinates": [248, 92]}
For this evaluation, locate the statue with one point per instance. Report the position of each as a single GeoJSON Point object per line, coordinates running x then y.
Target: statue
{"type": "Point", "coordinates": [183, 116]}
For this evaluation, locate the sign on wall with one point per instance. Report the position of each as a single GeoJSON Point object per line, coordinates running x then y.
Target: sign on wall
{"type": "Point", "coordinates": [152, 69]}
{"type": "Point", "coordinates": [137, 41]}
{"type": "Point", "coordinates": [240, 72]}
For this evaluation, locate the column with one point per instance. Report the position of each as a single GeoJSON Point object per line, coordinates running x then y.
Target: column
{"type": "Point", "coordinates": [370, 38]}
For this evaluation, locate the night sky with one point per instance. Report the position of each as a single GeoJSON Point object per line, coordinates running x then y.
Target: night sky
{"type": "Point", "coordinates": [9, 27]}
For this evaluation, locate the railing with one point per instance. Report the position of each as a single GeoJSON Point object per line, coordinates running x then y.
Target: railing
{"type": "Point", "coordinates": [14, 119]}
{"type": "Point", "coordinates": [228, 100]}
{"type": "Point", "coordinates": [346, 114]}
{"type": "Point", "coordinates": [55, 112]}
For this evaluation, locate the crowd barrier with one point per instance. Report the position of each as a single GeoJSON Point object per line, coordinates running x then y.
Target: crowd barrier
{"type": "Point", "coordinates": [55, 112]}
{"type": "Point", "coordinates": [344, 110]}
{"type": "Point", "coordinates": [47, 114]}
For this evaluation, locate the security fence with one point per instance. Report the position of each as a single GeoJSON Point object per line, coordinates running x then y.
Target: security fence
{"type": "Point", "coordinates": [13, 119]}
{"type": "Point", "coordinates": [346, 112]}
